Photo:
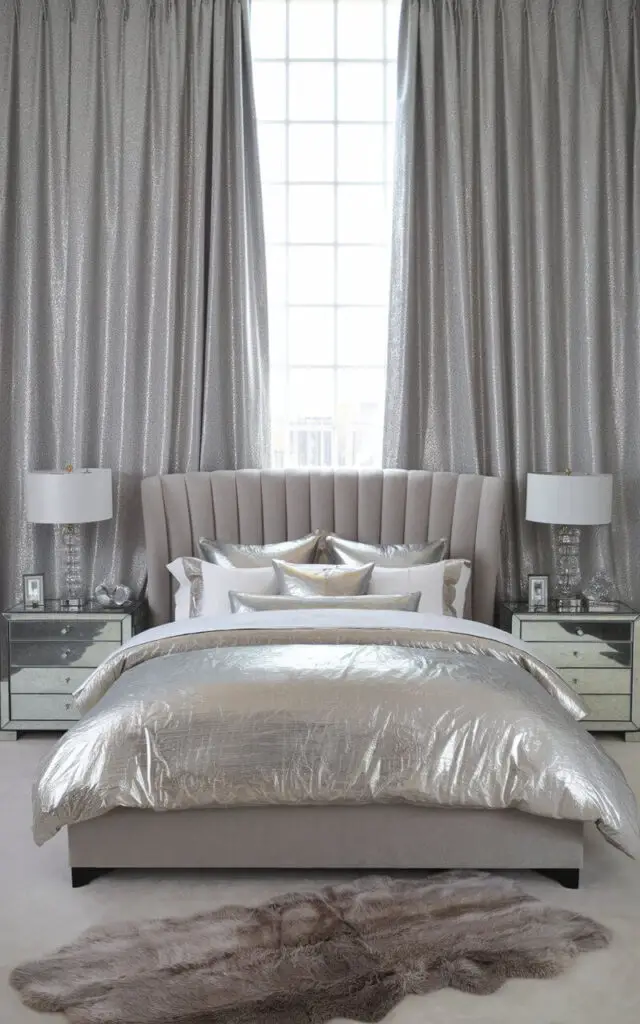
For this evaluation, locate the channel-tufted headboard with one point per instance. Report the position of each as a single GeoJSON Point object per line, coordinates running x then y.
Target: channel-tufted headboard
{"type": "Point", "coordinates": [377, 506]}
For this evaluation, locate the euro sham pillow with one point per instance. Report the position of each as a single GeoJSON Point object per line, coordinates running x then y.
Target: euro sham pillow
{"type": "Point", "coordinates": [321, 580]}
{"type": "Point", "coordinates": [256, 556]}
{"type": "Point", "coordinates": [341, 551]}
{"type": "Point", "coordinates": [363, 602]}
{"type": "Point", "coordinates": [203, 588]}
{"type": "Point", "coordinates": [443, 586]}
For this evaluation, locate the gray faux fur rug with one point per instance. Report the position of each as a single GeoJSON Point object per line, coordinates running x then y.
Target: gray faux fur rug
{"type": "Point", "coordinates": [351, 950]}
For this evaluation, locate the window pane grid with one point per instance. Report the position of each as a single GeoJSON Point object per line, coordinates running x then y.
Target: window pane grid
{"type": "Point", "coordinates": [383, 61]}
{"type": "Point", "coordinates": [329, 245]}
{"type": "Point", "coordinates": [335, 221]}
{"type": "Point", "coordinates": [325, 82]}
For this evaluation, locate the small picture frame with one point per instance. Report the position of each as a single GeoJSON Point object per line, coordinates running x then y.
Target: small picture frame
{"type": "Point", "coordinates": [33, 588]}
{"type": "Point", "coordinates": [538, 593]}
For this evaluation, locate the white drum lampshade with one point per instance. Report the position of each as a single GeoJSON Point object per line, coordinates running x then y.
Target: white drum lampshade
{"type": "Point", "coordinates": [569, 499]}
{"type": "Point", "coordinates": [79, 496]}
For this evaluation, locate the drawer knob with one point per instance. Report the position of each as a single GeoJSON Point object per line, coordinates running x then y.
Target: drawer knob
{"type": "Point", "coordinates": [579, 631]}
{"type": "Point", "coordinates": [577, 654]}
{"type": "Point", "coordinates": [68, 705]}
{"type": "Point", "coordinates": [65, 654]}
{"type": "Point", "coordinates": [65, 630]}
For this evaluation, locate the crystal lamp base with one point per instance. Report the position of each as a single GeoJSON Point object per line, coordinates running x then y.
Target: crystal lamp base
{"type": "Point", "coordinates": [73, 599]}
{"type": "Point", "coordinates": [567, 542]}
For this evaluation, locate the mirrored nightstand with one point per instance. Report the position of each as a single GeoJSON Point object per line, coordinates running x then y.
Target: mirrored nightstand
{"type": "Point", "coordinates": [50, 652]}
{"type": "Point", "coordinates": [597, 653]}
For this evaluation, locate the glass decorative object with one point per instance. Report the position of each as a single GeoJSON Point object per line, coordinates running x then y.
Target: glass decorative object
{"type": "Point", "coordinates": [600, 588]}
{"type": "Point", "coordinates": [113, 595]}
{"type": "Point", "coordinates": [601, 593]}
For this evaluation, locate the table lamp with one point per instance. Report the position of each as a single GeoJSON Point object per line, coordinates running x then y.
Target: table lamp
{"type": "Point", "coordinates": [569, 501]}
{"type": "Point", "coordinates": [70, 497]}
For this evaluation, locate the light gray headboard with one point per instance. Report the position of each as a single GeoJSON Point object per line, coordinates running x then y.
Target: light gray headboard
{"type": "Point", "coordinates": [377, 506]}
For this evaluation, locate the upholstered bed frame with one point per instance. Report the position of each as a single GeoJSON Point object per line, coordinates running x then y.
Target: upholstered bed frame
{"type": "Point", "coordinates": [375, 506]}
{"type": "Point", "coordinates": [389, 506]}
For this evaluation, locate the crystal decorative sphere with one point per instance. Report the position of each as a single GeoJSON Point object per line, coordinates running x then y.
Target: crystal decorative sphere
{"type": "Point", "coordinates": [600, 587]}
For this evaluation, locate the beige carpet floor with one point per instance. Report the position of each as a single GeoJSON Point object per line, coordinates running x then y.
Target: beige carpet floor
{"type": "Point", "coordinates": [39, 911]}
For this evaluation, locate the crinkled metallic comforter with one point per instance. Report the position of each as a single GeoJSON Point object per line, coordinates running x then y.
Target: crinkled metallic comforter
{"type": "Point", "coordinates": [324, 707]}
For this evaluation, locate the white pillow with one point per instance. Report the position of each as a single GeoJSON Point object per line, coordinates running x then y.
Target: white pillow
{"type": "Point", "coordinates": [443, 585]}
{"type": "Point", "coordinates": [203, 588]}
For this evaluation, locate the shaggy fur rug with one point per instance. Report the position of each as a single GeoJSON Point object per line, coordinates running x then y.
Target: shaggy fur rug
{"type": "Point", "coordinates": [351, 950]}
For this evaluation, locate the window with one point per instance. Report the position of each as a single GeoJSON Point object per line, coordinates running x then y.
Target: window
{"type": "Point", "coordinates": [325, 84]}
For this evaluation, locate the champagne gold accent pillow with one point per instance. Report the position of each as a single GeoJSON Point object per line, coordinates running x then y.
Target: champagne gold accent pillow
{"type": "Point", "coordinates": [257, 556]}
{"type": "Point", "coordinates": [364, 602]}
{"type": "Point", "coordinates": [395, 556]}
{"type": "Point", "coordinates": [321, 580]}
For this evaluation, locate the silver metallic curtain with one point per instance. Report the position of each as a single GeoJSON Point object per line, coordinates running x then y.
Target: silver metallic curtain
{"type": "Point", "coordinates": [515, 299]}
{"type": "Point", "coordinates": [133, 329]}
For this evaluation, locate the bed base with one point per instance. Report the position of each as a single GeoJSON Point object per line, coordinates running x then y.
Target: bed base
{"type": "Point", "coordinates": [568, 878]}
{"type": "Point", "coordinates": [376, 837]}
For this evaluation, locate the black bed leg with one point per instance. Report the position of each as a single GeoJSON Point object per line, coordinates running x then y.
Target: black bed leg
{"type": "Point", "coordinates": [568, 877]}
{"type": "Point", "coordinates": [82, 876]}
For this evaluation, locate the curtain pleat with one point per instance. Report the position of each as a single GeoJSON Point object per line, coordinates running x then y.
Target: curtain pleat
{"type": "Point", "coordinates": [133, 329]}
{"type": "Point", "coordinates": [235, 427]}
{"type": "Point", "coordinates": [515, 293]}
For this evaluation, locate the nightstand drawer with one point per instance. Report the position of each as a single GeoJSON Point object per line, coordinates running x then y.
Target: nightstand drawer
{"type": "Point", "coordinates": [597, 680]}
{"type": "Point", "coordinates": [589, 655]}
{"type": "Point", "coordinates": [88, 630]}
{"type": "Point", "coordinates": [44, 707]}
{"type": "Point", "coordinates": [47, 680]}
{"type": "Point", "coordinates": [586, 632]}
{"type": "Point", "coordinates": [608, 709]}
{"type": "Point", "coordinates": [54, 653]}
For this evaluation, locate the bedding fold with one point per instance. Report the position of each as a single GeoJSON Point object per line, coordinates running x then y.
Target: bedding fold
{"type": "Point", "coordinates": [322, 707]}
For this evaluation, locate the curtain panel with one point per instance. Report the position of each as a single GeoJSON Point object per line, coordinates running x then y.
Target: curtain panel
{"type": "Point", "coordinates": [515, 294]}
{"type": "Point", "coordinates": [133, 325]}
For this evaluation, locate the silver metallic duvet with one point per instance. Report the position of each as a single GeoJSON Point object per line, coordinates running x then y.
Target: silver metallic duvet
{"type": "Point", "coordinates": [330, 707]}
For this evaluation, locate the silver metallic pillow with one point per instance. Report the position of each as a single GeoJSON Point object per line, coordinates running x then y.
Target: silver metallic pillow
{"type": "Point", "coordinates": [394, 556]}
{"type": "Point", "coordinates": [255, 556]}
{"type": "Point", "coordinates": [321, 580]}
{"type": "Point", "coordinates": [270, 603]}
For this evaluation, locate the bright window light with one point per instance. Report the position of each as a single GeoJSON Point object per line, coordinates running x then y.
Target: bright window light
{"type": "Point", "coordinates": [324, 75]}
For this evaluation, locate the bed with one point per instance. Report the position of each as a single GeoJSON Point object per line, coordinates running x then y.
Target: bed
{"type": "Point", "coordinates": [390, 506]}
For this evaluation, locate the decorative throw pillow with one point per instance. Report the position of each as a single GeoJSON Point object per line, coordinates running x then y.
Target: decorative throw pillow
{"type": "Point", "coordinates": [253, 556]}
{"type": "Point", "coordinates": [203, 589]}
{"type": "Point", "coordinates": [321, 580]}
{"type": "Point", "coordinates": [364, 602]}
{"type": "Point", "coordinates": [443, 586]}
{"type": "Point", "coordinates": [401, 556]}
